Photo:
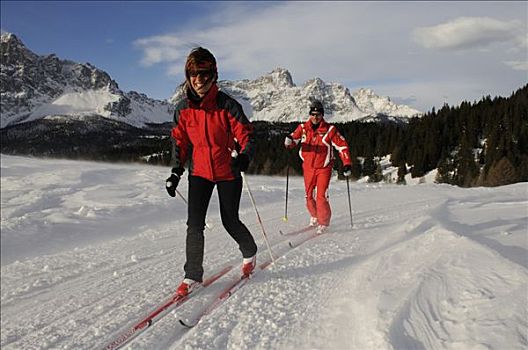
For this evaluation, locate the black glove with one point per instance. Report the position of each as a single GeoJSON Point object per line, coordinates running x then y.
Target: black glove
{"type": "Point", "coordinates": [241, 162]}
{"type": "Point", "coordinates": [347, 170]}
{"type": "Point", "coordinates": [172, 182]}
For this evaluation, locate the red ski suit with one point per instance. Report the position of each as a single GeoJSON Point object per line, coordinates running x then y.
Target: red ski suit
{"type": "Point", "coordinates": [318, 158]}
{"type": "Point", "coordinates": [208, 133]}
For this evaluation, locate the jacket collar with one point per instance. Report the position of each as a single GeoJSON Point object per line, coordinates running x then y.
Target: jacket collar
{"type": "Point", "coordinates": [207, 102]}
{"type": "Point", "coordinates": [323, 125]}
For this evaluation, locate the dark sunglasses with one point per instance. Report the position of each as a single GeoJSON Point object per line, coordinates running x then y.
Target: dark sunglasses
{"type": "Point", "coordinates": [203, 73]}
{"type": "Point", "coordinates": [315, 114]}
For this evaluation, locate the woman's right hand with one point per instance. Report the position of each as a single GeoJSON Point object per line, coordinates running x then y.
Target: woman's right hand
{"type": "Point", "coordinates": [172, 181]}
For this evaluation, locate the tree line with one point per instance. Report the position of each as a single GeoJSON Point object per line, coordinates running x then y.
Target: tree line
{"type": "Point", "coordinates": [484, 143]}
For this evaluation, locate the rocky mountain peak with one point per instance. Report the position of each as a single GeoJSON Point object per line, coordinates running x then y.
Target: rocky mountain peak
{"type": "Point", "coordinates": [13, 51]}
{"type": "Point", "coordinates": [371, 103]}
{"type": "Point", "coordinates": [11, 39]}
{"type": "Point", "coordinates": [282, 77]}
{"type": "Point", "coordinates": [365, 92]}
{"type": "Point", "coordinates": [274, 97]}
{"type": "Point", "coordinates": [278, 78]}
{"type": "Point", "coordinates": [35, 86]}
{"type": "Point", "coordinates": [6, 36]}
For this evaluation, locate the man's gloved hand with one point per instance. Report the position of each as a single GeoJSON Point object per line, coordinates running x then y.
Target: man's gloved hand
{"type": "Point", "coordinates": [172, 182]}
{"type": "Point", "coordinates": [347, 170]}
{"type": "Point", "coordinates": [288, 141]}
{"type": "Point", "coordinates": [241, 162]}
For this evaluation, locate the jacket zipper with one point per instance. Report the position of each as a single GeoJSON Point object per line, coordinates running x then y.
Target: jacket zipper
{"type": "Point", "coordinates": [208, 145]}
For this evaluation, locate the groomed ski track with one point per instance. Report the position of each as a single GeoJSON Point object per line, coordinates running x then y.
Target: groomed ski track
{"type": "Point", "coordinates": [409, 275]}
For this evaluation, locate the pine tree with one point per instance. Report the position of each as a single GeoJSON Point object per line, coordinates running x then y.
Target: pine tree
{"type": "Point", "coordinates": [369, 167]}
{"type": "Point", "coordinates": [356, 169]}
{"type": "Point", "coordinates": [402, 171]}
{"type": "Point", "coordinates": [466, 170]}
{"type": "Point", "coordinates": [501, 173]}
{"type": "Point", "coordinates": [377, 175]}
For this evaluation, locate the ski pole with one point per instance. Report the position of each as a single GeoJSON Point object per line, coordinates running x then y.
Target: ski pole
{"type": "Point", "coordinates": [349, 204]}
{"type": "Point", "coordinates": [234, 154]}
{"type": "Point", "coordinates": [285, 218]}
{"type": "Point", "coordinates": [185, 201]}
{"type": "Point", "coordinates": [258, 217]}
{"type": "Point", "coordinates": [182, 197]}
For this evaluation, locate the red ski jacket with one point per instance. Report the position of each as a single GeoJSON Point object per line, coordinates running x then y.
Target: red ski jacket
{"type": "Point", "coordinates": [316, 145]}
{"type": "Point", "coordinates": [207, 132]}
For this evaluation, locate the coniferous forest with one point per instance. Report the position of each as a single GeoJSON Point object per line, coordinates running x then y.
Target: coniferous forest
{"type": "Point", "coordinates": [484, 143]}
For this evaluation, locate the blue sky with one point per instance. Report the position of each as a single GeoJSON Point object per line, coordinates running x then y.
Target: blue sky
{"type": "Point", "coordinates": [419, 53]}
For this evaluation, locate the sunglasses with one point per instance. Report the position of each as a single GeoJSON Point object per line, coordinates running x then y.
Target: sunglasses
{"type": "Point", "coordinates": [203, 73]}
{"type": "Point", "coordinates": [315, 114]}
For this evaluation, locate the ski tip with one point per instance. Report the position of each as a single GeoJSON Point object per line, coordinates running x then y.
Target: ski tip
{"type": "Point", "coordinates": [285, 218]}
{"type": "Point", "coordinates": [185, 324]}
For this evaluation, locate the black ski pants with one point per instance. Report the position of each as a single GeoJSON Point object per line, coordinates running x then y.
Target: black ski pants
{"type": "Point", "coordinates": [200, 192]}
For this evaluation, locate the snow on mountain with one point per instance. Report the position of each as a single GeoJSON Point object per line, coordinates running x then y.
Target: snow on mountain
{"type": "Point", "coordinates": [373, 104]}
{"type": "Point", "coordinates": [85, 102]}
{"type": "Point", "coordinates": [35, 87]}
{"type": "Point", "coordinates": [274, 97]}
{"type": "Point", "coordinates": [90, 248]}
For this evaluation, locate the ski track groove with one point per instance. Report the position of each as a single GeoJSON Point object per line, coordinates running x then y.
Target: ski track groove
{"type": "Point", "coordinates": [175, 338]}
{"type": "Point", "coordinates": [132, 271]}
{"type": "Point", "coordinates": [129, 273]}
{"type": "Point", "coordinates": [295, 284]}
{"type": "Point", "coordinates": [418, 227]}
{"type": "Point", "coordinates": [262, 250]}
{"type": "Point", "coordinates": [428, 313]}
{"type": "Point", "coordinates": [73, 309]}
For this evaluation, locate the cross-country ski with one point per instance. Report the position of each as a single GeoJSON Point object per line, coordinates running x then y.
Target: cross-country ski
{"type": "Point", "coordinates": [171, 304]}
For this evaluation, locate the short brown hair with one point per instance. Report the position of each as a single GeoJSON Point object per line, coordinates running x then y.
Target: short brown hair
{"type": "Point", "coordinates": [200, 57]}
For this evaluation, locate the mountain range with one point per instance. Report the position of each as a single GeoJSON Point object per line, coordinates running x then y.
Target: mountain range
{"type": "Point", "coordinates": [275, 98]}
{"type": "Point", "coordinates": [35, 87]}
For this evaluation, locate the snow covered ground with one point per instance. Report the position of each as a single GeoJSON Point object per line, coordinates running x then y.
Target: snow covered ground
{"type": "Point", "coordinates": [88, 248]}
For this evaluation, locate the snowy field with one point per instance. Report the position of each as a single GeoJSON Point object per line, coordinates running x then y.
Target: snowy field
{"type": "Point", "coordinates": [89, 248]}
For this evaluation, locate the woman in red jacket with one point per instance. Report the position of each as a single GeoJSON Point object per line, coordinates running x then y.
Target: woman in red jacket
{"type": "Point", "coordinates": [209, 125]}
{"type": "Point", "coordinates": [317, 138]}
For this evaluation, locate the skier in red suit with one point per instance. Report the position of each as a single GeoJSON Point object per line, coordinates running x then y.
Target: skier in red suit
{"type": "Point", "coordinates": [317, 137]}
{"type": "Point", "coordinates": [208, 126]}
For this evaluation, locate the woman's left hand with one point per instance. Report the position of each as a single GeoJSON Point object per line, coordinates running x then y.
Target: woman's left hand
{"type": "Point", "coordinates": [241, 162]}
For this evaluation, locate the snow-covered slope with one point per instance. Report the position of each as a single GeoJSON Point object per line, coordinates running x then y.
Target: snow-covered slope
{"type": "Point", "coordinates": [274, 97]}
{"type": "Point", "coordinates": [34, 87]}
{"type": "Point", "coordinates": [88, 248]}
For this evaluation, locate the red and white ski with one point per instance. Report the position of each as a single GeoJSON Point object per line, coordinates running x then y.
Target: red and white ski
{"type": "Point", "coordinates": [162, 310]}
{"type": "Point", "coordinates": [229, 290]}
{"type": "Point", "coordinates": [236, 284]}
